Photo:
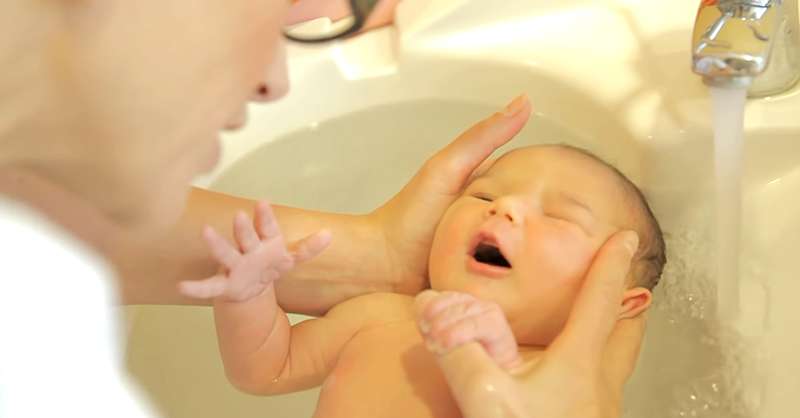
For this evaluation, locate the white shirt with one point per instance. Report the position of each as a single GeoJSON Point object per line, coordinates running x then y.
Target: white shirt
{"type": "Point", "coordinates": [60, 340]}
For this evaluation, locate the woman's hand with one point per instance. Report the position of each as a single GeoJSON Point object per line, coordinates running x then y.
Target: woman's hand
{"type": "Point", "coordinates": [581, 374]}
{"type": "Point", "coordinates": [259, 258]}
{"type": "Point", "coordinates": [409, 219]}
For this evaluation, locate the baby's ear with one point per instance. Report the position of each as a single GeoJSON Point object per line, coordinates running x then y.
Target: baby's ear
{"type": "Point", "coordinates": [634, 302]}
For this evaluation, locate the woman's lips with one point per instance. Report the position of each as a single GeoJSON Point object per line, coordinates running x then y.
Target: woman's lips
{"type": "Point", "coordinates": [213, 156]}
{"type": "Point", "coordinates": [237, 121]}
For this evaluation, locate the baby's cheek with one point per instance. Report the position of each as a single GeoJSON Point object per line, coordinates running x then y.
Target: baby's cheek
{"type": "Point", "coordinates": [445, 246]}
{"type": "Point", "coordinates": [568, 257]}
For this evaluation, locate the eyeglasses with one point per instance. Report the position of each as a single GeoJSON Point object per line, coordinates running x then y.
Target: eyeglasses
{"type": "Point", "coordinates": [315, 21]}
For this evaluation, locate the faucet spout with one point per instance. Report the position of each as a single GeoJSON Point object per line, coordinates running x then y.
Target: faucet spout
{"type": "Point", "coordinates": [747, 44]}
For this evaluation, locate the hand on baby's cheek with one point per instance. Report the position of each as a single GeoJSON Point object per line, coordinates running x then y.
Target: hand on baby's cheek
{"type": "Point", "coordinates": [545, 276]}
{"type": "Point", "coordinates": [546, 211]}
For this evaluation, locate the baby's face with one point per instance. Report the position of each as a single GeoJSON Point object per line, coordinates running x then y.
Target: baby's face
{"type": "Point", "coordinates": [524, 234]}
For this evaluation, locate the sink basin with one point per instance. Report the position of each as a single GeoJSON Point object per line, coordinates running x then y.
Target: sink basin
{"type": "Point", "coordinates": [610, 76]}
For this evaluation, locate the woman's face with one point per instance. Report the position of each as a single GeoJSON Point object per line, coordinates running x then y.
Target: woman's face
{"type": "Point", "coordinates": [133, 94]}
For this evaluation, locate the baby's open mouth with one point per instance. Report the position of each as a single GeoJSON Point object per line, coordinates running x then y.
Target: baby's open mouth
{"type": "Point", "coordinates": [487, 253]}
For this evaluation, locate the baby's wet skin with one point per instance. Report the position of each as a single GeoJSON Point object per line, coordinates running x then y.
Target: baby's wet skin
{"type": "Point", "coordinates": [386, 370]}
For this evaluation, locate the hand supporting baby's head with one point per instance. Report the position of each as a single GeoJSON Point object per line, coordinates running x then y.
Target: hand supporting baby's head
{"type": "Point", "coordinates": [526, 230]}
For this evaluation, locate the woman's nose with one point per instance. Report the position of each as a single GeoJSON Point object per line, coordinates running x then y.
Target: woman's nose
{"type": "Point", "coordinates": [276, 79]}
{"type": "Point", "coordinates": [506, 208]}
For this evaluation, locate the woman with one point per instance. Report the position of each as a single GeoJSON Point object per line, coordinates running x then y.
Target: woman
{"type": "Point", "coordinates": [109, 108]}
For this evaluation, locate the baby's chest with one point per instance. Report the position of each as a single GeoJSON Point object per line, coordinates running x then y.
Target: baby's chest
{"type": "Point", "coordinates": [386, 371]}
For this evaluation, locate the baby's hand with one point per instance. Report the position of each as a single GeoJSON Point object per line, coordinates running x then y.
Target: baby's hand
{"type": "Point", "coordinates": [260, 258]}
{"type": "Point", "coordinates": [448, 320]}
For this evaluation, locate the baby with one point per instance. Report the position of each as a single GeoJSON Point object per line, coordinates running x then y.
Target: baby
{"type": "Point", "coordinates": [508, 258]}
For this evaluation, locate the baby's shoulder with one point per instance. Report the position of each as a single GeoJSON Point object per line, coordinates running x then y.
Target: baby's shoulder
{"type": "Point", "coordinates": [379, 307]}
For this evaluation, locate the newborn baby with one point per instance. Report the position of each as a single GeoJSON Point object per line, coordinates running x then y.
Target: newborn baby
{"type": "Point", "coordinates": [509, 257]}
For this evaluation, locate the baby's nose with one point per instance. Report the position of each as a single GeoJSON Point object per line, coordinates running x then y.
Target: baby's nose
{"type": "Point", "coordinates": [506, 208]}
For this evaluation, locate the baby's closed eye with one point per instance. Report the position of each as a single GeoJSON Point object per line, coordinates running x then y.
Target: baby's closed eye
{"type": "Point", "coordinates": [570, 216]}
{"type": "Point", "coordinates": [483, 196]}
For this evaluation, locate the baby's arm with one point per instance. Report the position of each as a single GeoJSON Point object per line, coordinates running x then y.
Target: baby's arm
{"type": "Point", "coordinates": [308, 352]}
{"type": "Point", "coordinates": [264, 355]}
{"type": "Point", "coordinates": [261, 352]}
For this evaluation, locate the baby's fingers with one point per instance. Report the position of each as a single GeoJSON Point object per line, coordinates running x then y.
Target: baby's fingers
{"type": "Point", "coordinates": [245, 233]}
{"type": "Point", "coordinates": [490, 329]}
{"type": "Point", "coordinates": [310, 246]}
{"type": "Point", "coordinates": [266, 224]}
{"type": "Point", "coordinates": [204, 289]}
{"type": "Point", "coordinates": [431, 304]}
{"type": "Point", "coordinates": [226, 254]}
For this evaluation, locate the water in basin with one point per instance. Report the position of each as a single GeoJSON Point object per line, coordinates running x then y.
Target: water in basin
{"type": "Point", "coordinates": [354, 163]}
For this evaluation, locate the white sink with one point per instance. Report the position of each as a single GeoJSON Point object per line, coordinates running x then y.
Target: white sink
{"type": "Point", "coordinates": [611, 76]}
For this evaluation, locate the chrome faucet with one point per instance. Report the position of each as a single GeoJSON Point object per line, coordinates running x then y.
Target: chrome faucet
{"type": "Point", "coordinates": [751, 44]}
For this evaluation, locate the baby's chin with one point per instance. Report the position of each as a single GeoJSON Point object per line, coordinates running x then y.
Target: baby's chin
{"type": "Point", "coordinates": [480, 287]}
{"type": "Point", "coordinates": [536, 329]}
{"type": "Point", "coordinates": [534, 340]}
{"type": "Point", "coordinates": [459, 282]}
{"type": "Point", "coordinates": [542, 334]}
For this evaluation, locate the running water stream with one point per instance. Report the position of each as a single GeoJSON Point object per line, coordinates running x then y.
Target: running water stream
{"type": "Point", "coordinates": [728, 119]}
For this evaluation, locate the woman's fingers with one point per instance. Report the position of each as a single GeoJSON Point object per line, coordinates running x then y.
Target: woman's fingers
{"type": "Point", "coordinates": [622, 350]}
{"type": "Point", "coordinates": [310, 246]}
{"type": "Point", "coordinates": [458, 160]}
{"type": "Point", "coordinates": [479, 385]}
{"type": "Point", "coordinates": [482, 168]}
{"type": "Point", "coordinates": [597, 307]}
{"type": "Point", "coordinates": [382, 15]}
{"type": "Point", "coordinates": [204, 289]}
